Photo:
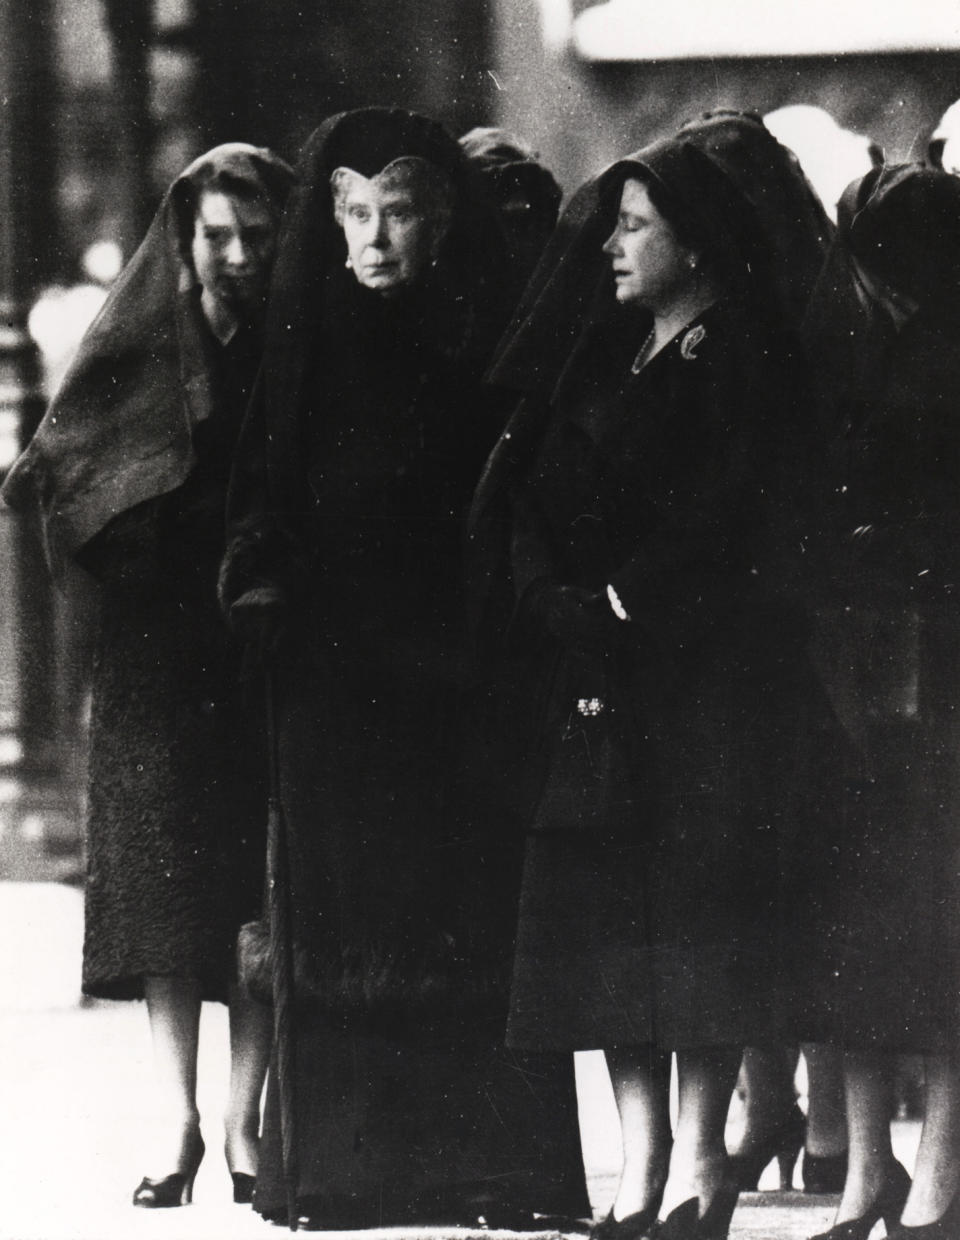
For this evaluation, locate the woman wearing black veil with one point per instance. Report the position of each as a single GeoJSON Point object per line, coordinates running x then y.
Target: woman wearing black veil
{"type": "Point", "coordinates": [127, 476]}
{"type": "Point", "coordinates": [887, 329]}
{"type": "Point", "coordinates": [649, 473]}
{"type": "Point", "coordinates": [360, 454]}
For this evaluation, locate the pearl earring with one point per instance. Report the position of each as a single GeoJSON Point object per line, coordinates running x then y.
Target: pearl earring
{"type": "Point", "coordinates": [349, 263]}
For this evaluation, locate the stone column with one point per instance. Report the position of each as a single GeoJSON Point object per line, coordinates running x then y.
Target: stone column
{"type": "Point", "coordinates": [29, 792]}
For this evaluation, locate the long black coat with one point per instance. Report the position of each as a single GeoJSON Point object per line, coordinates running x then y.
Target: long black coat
{"type": "Point", "coordinates": [374, 683]}
{"type": "Point", "coordinates": [177, 799]}
{"type": "Point", "coordinates": [653, 901]}
{"type": "Point", "coordinates": [360, 456]}
{"type": "Point", "coordinates": [887, 651]}
{"type": "Point", "coordinates": [885, 931]}
{"type": "Point", "coordinates": [405, 871]}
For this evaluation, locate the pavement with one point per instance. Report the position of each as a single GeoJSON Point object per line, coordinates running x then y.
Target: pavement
{"type": "Point", "coordinates": [77, 1108]}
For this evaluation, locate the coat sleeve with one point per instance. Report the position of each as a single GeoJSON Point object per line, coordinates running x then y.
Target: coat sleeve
{"type": "Point", "coordinates": [263, 553]}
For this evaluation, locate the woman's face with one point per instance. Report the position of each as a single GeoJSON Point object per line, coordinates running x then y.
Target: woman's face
{"type": "Point", "coordinates": [390, 237]}
{"type": "Point", "coordinates": [650, 266]}
{"type": "Point", "coordinates": [234, 240]}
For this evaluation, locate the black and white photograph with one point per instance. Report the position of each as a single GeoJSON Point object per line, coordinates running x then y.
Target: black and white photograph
{"type": "Point", "coordinates": [480, 619]}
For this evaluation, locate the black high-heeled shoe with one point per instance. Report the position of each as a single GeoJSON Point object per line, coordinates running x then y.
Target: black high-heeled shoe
{"type": "Point", "coordinates": [888, 1206]}
{"type": "Point", "coordinates": [946, 1227]}
{"type": "Point", "coordinates": [686, 1222]}
{"type": "Point", "coordinates": [823, 1173]}
{"type": "Point", "coordinates": [782, 1143]}
{"type": "Point", "coordinates": [243, 1186]}
{"type": "Point", "coordinates": [631, 1227]}
{"type": "Point", "coordinates": [175, 1189]}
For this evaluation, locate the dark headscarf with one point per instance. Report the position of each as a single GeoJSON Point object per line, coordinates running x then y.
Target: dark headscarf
{"type": "Point", "coordinates": [120, 429]}
{"type": "Point", "coordinates": [739, 193]}
{"type": "Point", "coordinates": [902, 221]}
{"type": "Point", "coordinates": [793, 229]}
{"type": "Point", "coordinates": [523, 192]}
{"type": "Point", "coordinates": [510, 167]}
{"type": "Point", "coordinates": [313, 297]}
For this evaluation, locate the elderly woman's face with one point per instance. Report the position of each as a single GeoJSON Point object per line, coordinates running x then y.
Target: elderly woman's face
{"type": "Point", "coordinates": [390, 236]}
{"type": "Point", "coordinates": [234, 241]}
{"type": "Point", "coordinates": [651, 268]}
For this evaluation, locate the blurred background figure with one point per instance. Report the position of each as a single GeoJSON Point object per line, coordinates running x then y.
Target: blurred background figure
{"type": "Point", "coordinates": [524, 192]}
{"type": "Point", "coordinates": [62, 312]}
{"type": "Point", "coordinates": [830, 155]}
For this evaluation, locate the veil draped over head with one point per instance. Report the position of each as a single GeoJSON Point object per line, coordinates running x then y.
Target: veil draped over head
{"type": "Point", "coordinates": [748, 201]}
{"type": "Point", "coordinates": [314, 300]}
{"type": "Point", "coordinates": [747, 198]}
{"type": "Point", "coordinates": [902, 221]}
{"type": "Point", "coordinates": [509, 165]}
{"type": "Point", "coordinates": [119, 430]}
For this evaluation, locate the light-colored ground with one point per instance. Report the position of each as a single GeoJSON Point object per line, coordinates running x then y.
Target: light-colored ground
{"type": "Point", "coordinates": [76, 1106]}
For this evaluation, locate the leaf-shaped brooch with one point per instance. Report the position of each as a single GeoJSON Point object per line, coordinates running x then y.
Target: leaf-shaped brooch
{"type": "Point", "coordinates": [690, 341]}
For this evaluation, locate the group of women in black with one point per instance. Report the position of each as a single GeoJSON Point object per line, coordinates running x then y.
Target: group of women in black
{"type": "Point", "coordinates": [609, 636]}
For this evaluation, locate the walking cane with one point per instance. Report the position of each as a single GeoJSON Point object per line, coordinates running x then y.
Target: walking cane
{"type": "Point", "coordinates": [281, 957]}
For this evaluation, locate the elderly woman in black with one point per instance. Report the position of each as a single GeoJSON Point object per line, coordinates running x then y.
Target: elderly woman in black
{"type": "Point", "coordinates": [888, 651]}
{"type": "Point", "coordinates": [128, 476]}
{"type": "Point", "coordinates": [649, 544]}
{"type": "Point", "coordinates": [359, 459]}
